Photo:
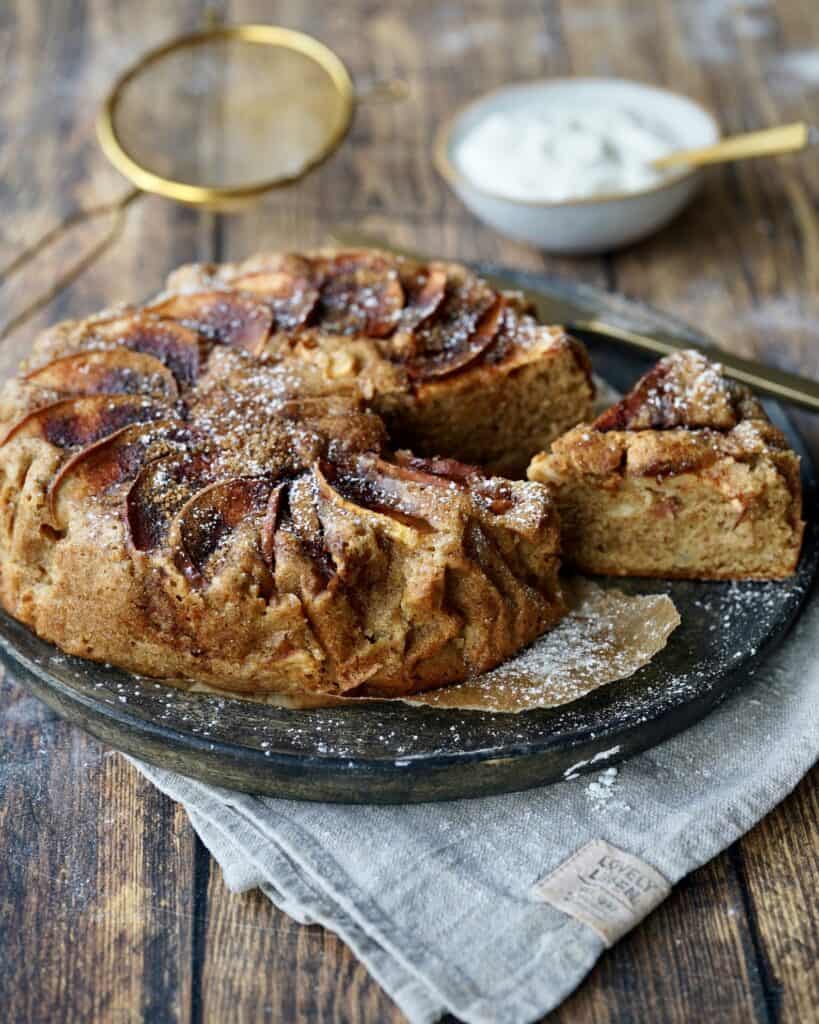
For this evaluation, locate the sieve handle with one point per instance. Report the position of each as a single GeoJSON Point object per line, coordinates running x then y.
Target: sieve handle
{"type": "Point", "coordinates": [117, 207]}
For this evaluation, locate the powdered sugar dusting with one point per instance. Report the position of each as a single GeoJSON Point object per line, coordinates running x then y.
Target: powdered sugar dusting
{"type": "Point", "coordinates": [713, 29]}
{"type": "Point", "coordinates": [601, 789]}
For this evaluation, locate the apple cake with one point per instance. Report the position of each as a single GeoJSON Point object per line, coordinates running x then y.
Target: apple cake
{"type": "Point", "coordinates": [686, 477]}
{"type": "Point", "coordinates": [214, 486]}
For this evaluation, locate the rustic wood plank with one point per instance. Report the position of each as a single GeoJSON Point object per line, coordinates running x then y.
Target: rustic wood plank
{"type": "Point", "coordinates": [778, 865]}
{"type": "Point", "coordinates": [260, 964]}
{"type": "Point", "coordinates": [96, 915]}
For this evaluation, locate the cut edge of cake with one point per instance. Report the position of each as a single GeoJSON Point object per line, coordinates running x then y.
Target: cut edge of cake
{"type": "Point", "coordinates": [497, 415]}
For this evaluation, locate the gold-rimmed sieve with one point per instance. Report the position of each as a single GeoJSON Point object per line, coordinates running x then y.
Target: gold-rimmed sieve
{"type": "Point", "coordinates": [215, 119]}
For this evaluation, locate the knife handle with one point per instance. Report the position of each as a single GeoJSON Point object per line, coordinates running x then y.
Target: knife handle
{"type": "Point", "coordinates": [768, 380]}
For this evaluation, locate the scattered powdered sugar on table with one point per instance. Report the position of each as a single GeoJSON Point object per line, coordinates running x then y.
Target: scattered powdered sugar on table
{"type": "Point", "coordinates": [462, 39]}
{"type": "Point", "coordinates": [790, 315]}
{"type": "Point", "coordinates": [601, 788]}
{"type": "Point", "coordinates": [713, 29]}
{"type": "Point", "coordinates": [753, 24]}
{"type": "Point", "coordinates": [453, 37]}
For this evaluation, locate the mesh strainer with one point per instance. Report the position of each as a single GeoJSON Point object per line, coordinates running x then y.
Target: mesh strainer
{"type": "Point", "coordinates": [215, 119]}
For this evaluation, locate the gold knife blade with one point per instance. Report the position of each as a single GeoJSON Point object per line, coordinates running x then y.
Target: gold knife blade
{"type": "Point", "coordinates": [768, 380]}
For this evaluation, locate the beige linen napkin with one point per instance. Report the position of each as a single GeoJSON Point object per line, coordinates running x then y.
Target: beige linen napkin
{"type": "Point", "coordinates": [440, 900]}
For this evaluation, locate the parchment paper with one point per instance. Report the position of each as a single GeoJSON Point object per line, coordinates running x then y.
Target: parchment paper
{"type": "Point", "coordinates": [606, 635]}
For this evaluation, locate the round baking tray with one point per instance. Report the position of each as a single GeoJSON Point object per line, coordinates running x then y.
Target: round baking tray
{"type": "Point", "coordinates": [390, 752]}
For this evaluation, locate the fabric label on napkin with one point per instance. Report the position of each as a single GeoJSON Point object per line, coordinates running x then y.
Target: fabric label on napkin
{"type": "Point", "coordinates": [605, 888]}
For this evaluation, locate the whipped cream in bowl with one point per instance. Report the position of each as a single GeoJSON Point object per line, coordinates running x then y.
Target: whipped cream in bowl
{"type": "Point", "coordinates": [570, 153]}
{"type": "Point", "coordinates": [567, 164]}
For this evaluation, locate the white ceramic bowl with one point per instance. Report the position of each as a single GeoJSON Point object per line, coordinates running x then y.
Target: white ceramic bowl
{"type": "Point", "coordinates": [587, 225]}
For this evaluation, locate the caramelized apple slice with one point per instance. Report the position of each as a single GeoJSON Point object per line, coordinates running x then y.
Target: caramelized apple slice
{"type": "Point", "coordinates": [682, 390]}
{"type": "Point", "coordinates": [496, 494]}
{"type": "Point", "coordinates": [290, 291]}
{"type": "Point", "coordinates": [160, 489]}
{"type": "Point", "coordinates": [229, 318]}
{"type": "Point", "coordinates": [432, 470]}
{"type": "Point", "coordinates": [107, 371]}
{"type": "Point", "coordinates": [174, 345]}
{"type": "Point", "coordinates": [364, 491]}
{"type": "Point", "coordinates": [270, 523]}
{"type": "Point", "coordinates": [425, 290]}
{"type": "Point", "coordinates": [392, 488]}
{"type": "Point", "coordinates": [293, 536]}
{"type": "Point", "coordinates": [360, 293]}
{"type": "Point", "coordinates": [114, 459]}
{"type": "Point", "coordinates": [517, 329]}
{"type": "Point", "coordinates": [211, 515]}
{"type": "Point", "coordinates": [461, 331]}
{"type": "Point", "coordinates": [76, 422]}
{"type": "Point", "coordinates": [646, 406]}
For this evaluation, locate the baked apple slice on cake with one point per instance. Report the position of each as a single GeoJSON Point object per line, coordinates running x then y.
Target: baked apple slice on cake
{"type": "Point", "coordinates": [686, 477]}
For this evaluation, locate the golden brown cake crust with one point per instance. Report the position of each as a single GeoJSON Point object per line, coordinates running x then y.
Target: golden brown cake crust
{"type": "Point", "coordinates": [684, 478]}
{"type": "Point", "coordinates": [203, 488]}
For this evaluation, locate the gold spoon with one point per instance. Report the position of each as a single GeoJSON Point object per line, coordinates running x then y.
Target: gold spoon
{"type": "Point", "coordinates": [787, 138]}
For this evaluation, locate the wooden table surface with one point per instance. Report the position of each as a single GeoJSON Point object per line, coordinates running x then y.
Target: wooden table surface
{"type": "Point", "coordinates": [110, 908]}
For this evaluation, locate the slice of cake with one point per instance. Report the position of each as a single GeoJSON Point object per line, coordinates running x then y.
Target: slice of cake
{"type": "Point", "coordinates": [686, 477]}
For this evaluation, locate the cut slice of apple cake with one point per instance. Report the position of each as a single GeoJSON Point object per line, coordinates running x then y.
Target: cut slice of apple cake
{"type": "Point", "coordinates": [686, 477]}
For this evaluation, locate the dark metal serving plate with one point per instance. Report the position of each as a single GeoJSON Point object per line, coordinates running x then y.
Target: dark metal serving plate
{"type": "Point", "coordinates": [394, 753]}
